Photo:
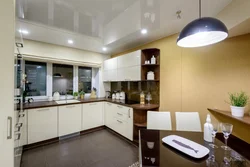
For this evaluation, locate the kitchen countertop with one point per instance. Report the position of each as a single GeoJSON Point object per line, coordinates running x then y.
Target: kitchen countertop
{"type": "Point", "coordinates": [44, 104]}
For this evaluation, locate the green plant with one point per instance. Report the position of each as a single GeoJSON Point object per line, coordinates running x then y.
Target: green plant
{"type": "Point", "coordinates": [81, 93]}
{"type": "Point", "coordinates": [75, 94]}
{"type": "Point", "coordinates": [238, 99]}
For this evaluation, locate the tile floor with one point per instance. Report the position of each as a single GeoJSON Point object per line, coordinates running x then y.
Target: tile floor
{"type": "Point", "coordinates": [98, 149]}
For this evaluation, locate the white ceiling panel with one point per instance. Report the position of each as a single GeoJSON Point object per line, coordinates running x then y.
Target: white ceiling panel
{"type": "Point", "coordinates": [115, 24]}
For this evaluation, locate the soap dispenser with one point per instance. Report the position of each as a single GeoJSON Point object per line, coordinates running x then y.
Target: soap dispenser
{"type": "Point", "coordinates": [153, 61]}
{"type": "Point", "coordinates": [208, 129]}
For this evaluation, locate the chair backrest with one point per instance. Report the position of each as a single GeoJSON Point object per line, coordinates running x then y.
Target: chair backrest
{"type": "Point", "coordinates": [188, 121]}
{"type": "Point", "coordinates": [159, 120]}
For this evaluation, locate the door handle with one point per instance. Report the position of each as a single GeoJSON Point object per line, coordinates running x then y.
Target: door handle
{"type": "Point", "coordinates": [9, 128]}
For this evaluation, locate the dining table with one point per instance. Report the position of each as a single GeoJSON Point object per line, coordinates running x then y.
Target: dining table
{"type": "Point", "coordinates": [154, 152]}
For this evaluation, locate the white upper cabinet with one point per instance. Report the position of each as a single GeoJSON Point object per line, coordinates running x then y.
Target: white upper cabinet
{"type": "Point", "coordinates": [129, 74]}
{"type": "Point", "coordinates": [123, 68]}
{"type": "Point", "coordinates": [110, 64]}
{"type": "Point", "coordinates": [129, 60]}
{"type": "Point", "coordinates": [110, 75]}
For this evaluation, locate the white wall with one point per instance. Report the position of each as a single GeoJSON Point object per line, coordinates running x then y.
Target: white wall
{"type": "Point", "coordinates": [7, 16]}
{"type": "Point", "coordinates": [55, 53]}
{"type": "Point", "coordinates": [40, 51]}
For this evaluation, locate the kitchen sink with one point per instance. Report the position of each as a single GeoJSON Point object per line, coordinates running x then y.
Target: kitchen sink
{"type": "Point", "coordinates": [67, 101]}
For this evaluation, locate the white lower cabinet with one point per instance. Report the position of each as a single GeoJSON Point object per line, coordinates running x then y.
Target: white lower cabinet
{"type": "Point", "coordinates": [92, 115]}
{"type": "Point", "coordinates": [109, 114]}
{"type": "Point", "coordinates": [42, 124]}
{"type": "Point", "coordinates": [69, 119]}
{"type": "Point", "coordinates": [120, 119]}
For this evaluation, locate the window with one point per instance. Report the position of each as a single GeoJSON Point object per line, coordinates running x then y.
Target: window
{"type": "Point", "coordinates": [85, 79]}
{"type": "Point", "coordinates": [36, 78]}
{"type": "Point", "coordinates": [63, 79]}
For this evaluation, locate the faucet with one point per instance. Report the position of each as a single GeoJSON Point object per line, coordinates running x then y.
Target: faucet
{"type": "Point", "coordinates": [66, 97]}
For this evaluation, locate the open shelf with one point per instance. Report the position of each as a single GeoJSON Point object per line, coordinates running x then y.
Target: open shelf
{"type": "Point", "coordinates": [150, 64]}
{"type": "Point", "coordinates": [141, 125]}
{"type": "Point", "coordinates": [245, 119]}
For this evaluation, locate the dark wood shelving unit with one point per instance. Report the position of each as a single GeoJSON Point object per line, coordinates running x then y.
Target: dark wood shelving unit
{"type": "Point", "coordinates": [145, 68]}
{"type": "Point", "coordinates": [140, 111]}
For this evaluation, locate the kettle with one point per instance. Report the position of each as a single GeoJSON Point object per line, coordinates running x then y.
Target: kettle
{"type": "Point", "coordinates": [122, 95]}
{"type": "Point", "coordinates": [117, 96]}
{"type": "Point", "coordinates": [56, 96]}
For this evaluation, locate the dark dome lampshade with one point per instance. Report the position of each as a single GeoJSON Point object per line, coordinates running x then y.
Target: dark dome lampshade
{"type": "Point", "coordinates": [201, 32]}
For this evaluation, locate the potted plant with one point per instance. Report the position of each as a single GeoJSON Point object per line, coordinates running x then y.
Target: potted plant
{"type": "Point", "coordinates": [75, 94]}
{"type": "Point", "coordinates": [82, 93]}
{"type": "Point", "coordinates": [238, 101]}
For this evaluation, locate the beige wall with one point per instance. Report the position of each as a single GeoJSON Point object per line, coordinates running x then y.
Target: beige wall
{"type": "Point", "coordinates": [56, 53]}
{"type": "Point", "coordinates": [200, 78]}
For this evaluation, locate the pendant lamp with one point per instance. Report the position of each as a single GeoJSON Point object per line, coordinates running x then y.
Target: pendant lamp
{"type": "Point", "coordinates": [202, 31]}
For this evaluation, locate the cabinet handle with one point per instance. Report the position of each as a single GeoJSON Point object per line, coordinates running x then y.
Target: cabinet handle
{"type": "Point", "coordinates": [109, 104]}
{"type": "Point", "coordinates": [9, 128]}
{"type": "Point", "coordinates": [21, 115]}
{"type": "Point", "coordinates": [70, 106]}
{"type": "Point", "coordinates": [19, 125]}
{"type": "Point", "coordinates": [92, 104]}
{"type": "Point", "coordinates": [119, 121]}
{"type": "Point", "coordinates": [18, 136]}
{"type": "Point", "coordinates": [119, 114]}
{"type": "Point", "coordinates": [128, 113]}
{"type": "Point", "coordinates": [119, 106]}
{"type": "Point", "coordinates": [46, 109]}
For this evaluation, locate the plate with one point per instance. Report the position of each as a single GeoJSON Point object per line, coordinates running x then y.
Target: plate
{"type": "Point", "coordinates": [186, 146]}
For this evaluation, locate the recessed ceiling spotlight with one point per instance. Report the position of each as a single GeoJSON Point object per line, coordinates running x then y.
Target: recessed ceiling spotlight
{"type": "Point", "coordinates": [70, 41]}
{"type": "Point", "coordinates": [104, 49]}
{"type": "Point", "coordinates": [144, 31]}
{"type": "Point", "coordinates": [25, 32]}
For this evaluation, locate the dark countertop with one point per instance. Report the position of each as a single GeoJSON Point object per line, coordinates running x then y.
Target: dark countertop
{"type": "Point", "coordinates": [44, 104]}
{"type": "Point", "coordinates": [167, 156]}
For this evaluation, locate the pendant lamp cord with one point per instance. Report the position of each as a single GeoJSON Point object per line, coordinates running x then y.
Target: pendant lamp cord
{"type": "Point", "coordinates": [200, 8]}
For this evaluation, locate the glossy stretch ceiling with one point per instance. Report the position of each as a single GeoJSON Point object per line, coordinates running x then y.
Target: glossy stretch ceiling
{"type": "Point", "coordinates": [114, 24]}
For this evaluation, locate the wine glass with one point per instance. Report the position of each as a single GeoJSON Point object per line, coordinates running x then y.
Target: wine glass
{"type": "Point", "coordinates": [226, 129]}
{"type": "Point", "coordinates": [214, 129]}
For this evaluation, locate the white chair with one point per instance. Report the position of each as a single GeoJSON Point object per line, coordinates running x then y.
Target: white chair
{"type": "Point", "coordinates": [159, 120]}
{"type": "Point", "coordinates": [188, 121]}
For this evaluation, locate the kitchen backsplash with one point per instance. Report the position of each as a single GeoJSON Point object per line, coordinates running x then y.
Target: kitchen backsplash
{"type": "Point", "coordinates": [133, 90]}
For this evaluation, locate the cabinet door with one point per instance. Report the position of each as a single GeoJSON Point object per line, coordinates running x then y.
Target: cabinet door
{"type": "Point", "coordinates": [129, 60]}
{"type": "Point", "coordinates": [110, 75]}
{"type": "Point", "coordinates": [42, 124]}
{"type": "Point", "coordinates": [69, 119]}
{"type": "Point", "coordinates": [92, 115]}
{"type": "Point", "coordinates": [109, 115]}
{"type": "Point", "coordinates": [110, 64]}
{"type": "Point", "coordinates": [129, 74]}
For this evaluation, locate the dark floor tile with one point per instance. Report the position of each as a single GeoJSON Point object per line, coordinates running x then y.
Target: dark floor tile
{"type": "Point", "coordinates": [98, 149]}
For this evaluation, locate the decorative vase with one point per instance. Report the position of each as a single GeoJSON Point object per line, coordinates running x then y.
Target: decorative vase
{"type": "Point", "coordinates": [82, 97]}
{"type": "Point", "coordinates": [237, 111]}
{"type": "Point", "coordinates": [76, 97]}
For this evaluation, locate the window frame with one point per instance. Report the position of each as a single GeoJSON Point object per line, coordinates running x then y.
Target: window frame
{"type": "Point", "coordinates": [49, 80]}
